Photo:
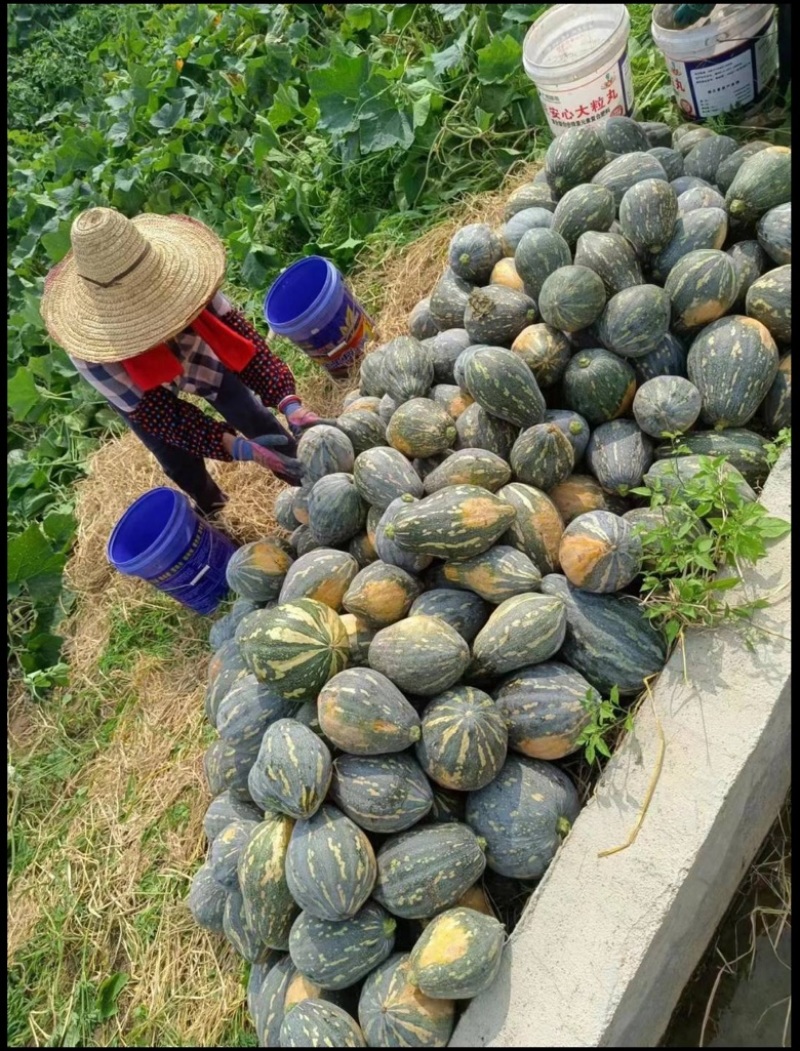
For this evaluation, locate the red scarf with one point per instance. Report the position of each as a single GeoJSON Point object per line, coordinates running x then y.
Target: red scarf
{"type": "Point", "coordinates": [161, 364]}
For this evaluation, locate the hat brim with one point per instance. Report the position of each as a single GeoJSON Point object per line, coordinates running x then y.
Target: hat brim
{"type": "Point", "coordinates": [175, 280]}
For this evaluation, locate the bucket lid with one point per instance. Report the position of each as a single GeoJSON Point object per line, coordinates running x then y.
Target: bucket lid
{"type": "Point", "coordinates": [570, 26]}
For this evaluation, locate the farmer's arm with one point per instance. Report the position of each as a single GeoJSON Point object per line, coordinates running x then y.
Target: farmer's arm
{"type": "Point", "coordinates": [265, 374]}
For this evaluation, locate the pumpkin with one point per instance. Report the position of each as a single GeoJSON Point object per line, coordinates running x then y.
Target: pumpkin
{"type": "Point", "coordinates": [505, 273]}
{"type": "Point", "coordinates": [504, 386]}
{"type": "Point", "coordinates": [732, 363]}
{"type": "Point", "coordinates": [670, 160]}
{"type": "Point", "coordinates": [572, 158]}
{"type": "Point", "coordinates": [668, 359]}
{"type": "Point", "coordinates": [496, 315]}
{"type": "Point", "coordinates": [303, 541]}
{"type": "Point", "coordinates": [749, 260]}
{"type": "Point", "coordinates": [572, 298]}
{"type": "Point", "coordinates": [296, 765]}
{"type": "Point", "coordinates": [364, 404]}
{"type": "Point", "coordinates": [542, 456]}
{"type": "Point", "coordinates": [464, 739]}
{"type": "Point", "coordinates": [240, 934]}
{"type": "Point", "coordinates": [382, 474]}
{"type": "Point", "coordinates": [600, 553]}
{"type": "Point", "coordinates": [546, 708]}
{"type": "Point", "coordinates": [466, 612]}
{"type": "Point", "coordinates": [220, 631]}
{"type": "Point", "coordinates": [540, 253]}
{"type": "Point", "coordinates": [282, 509]}
{"type": "Point", "coordinates": [268, 905]}
{"type": "Point", "coordinates": [226, 766]}
{"type": "Point", "coordinates": [301, 988]}
{"type": "Point", "coordinates": [294, 648]}
{"type": "Point", "coordinates": [699, 197]}
{"type": "Point", "coordinates": [335, 954]}
{"type": "Point", "coordinates": [319, 1023]}
{"type": "Point", "coordinates": [585, 207]}
{"type": "Point", "coordinates": [635, 320]}
{"type": "Point", "coordinates": [362, 549]}
{"type": "Point", "coordinates": [359, 635]}
{"type": "Point", "coordinates": [247, 709]}
{"type": "Point", "coordinates": [406, 369]}
{"type": "Point", "coordinates": [225, 809]}
{"type": "Point", "coordinates": [394, 1013]}
{"type": "Point", "coordinates": [421, 655]}
{"type": "Point", "coordinates": [448, 301]}
{"type": "Point", "coordinates": [520, 223]}
{"type": "Point", "coordinates": [545, 351]}
{"type": "Point", "coordinates": [621, 173]}
{"type": "Point", "coordinates": [387, 408]}
{"type": "Point", "coordinates": [370, 375]}
{"type": "Point", "coordinates": [522, 630]}
{"type": "Point", "coordinates": [388, 551]}
{"type": "Point", "coordinates": [256, 570]}
{"type": "Point", "coordinates": [745, 450]}
{"type": "Point", "coordinates": [686, 137]}
{"type": "Point", "coordinates": [362, 712]}
{"type": "Point", "coordinates": [336, 512]}
{"type": "Point", "coordinates": [477, 429]}
{"type": "Point", "coordinates": [704, 158]}
{"type": "Point", "coordinates": [702, 286]}
{"type": "Point", "coordinates": [671, 474]}
{"type": "Point", "coordinates": [623, 135]}
{"type": "Point", "coordinates": [769, 300]}
{"type": "Point", "coordinates": [451, 398]}
{"type": "Point", "coordinates": [573, 426]}
{"type": "Point", "coordinates": [364, 428]}
{"type": "Point", "coordinates": [456, 522]}
{"type": "Point", "coordinates": [649, 522]}
{"type": "Point", "coordinates": [225, 668]}
{"type": "Point", "coordinates": [576, 495]}
{"type": "Point", "coordinates": [420, 323]}
{"type": "Point", "coordinates": [728, 167]}
{"type": "Point", "coordinates": [666, 405]}
{"type": "Point", "coordinates": [523, 815]}
{"type": "Point", "coordinates": [684, 183]}
{"type": "Point", "coordinates": [469, 467]}
{"type": "Point", "coordinates": [473, 252]}
{"type": "Point", "coordinates": [322, 450]}
{"type": "Point", "coordinates": [421, 428]}
{"type": "Point", "coordinates": [206, 900]}
{"type": "Point", "coordinates": [496, 574]}
{"type": "Point", "coordinates": [381, 594]}
{"type": "Point", "coordinates": [702, 228]}
{"type": "Point", "coordinates": [266, 989]}
{"type": "Point", "coordinates": [608, 639]}
{"type": "Point", "coordinates": [618, 455]}
{"type": "Point", "coordinates": [411, 880]}
{"type": "Point", "coordinates": [529, 195]}
{"type": "Point", "coordinates": [775, 233]}
{"type": "Point", "coordinates": [445, 349]}
{"type": "Point", "coordinates": [536, 530]}
{"type": "Point", "coordinates": [611, 257]}
{"type": "Point", "coordinates": [381, 793]}
{"type": "Point", "coordinates": [323, 575]}
{"type": "Point", "coordinates": [300, 501]}
{"type": "Point", "coordinates": [599, 385]}
{"type": "Point", "coordinates": [330, 865]}
{"type": "Point", "coordinates": [776, 408]}
{"type": "Point", "coordinates": [763, 182]}
{"type": "Point", "coordinates": [458, 954]}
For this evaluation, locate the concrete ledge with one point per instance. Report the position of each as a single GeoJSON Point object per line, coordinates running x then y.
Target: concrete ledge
{"type": "Point", "coordinates": [606, 945]}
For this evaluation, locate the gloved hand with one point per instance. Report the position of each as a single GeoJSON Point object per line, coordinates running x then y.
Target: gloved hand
{"type": "Point", "coordinates": [300, 418]}
{"type": "Point", "coordinates": [262, 451]}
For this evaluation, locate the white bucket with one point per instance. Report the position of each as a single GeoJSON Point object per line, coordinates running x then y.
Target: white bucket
{"type": "Point", "coordinates": [723, 64]}
{"type": "Point", "coordinates": [577, 56]}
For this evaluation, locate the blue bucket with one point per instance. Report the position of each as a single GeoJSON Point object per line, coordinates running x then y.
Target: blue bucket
{"type": "Point", "coordinates": [311, 305]}
{"type": "Point", "coordinates": [161, 540]}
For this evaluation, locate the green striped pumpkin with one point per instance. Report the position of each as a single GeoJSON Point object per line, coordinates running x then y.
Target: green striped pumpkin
{"type": "Point", "coordinates": [247, 710]}
{"type": "Point", "coordinates": [469, 467]}
{"type": "Point", "coordinates": [394, 1013]}
{"type": "Point", "coordinates": [318, 1023]}
{"type": "Point", "coordinates": [763, 182]}
{"type": "Point", "coordinates": [458, 955]}
{"type": "Point", "coordinates": [323, 575]}
{"type": "Point", "coordinates": [381, 594]}
{"type": "Point", "coordinates": [496, 574]}
{"type": "Point", "coordinates": [514, 229]}
{"type": "Point", "coordinates": [477, 429]}
{"type": "Point", "coordinates": [702, 286]}
{"type": "Point", "coordinates": [451, 398]}
{"type": "Point", "coordinates": [226, 766]}
{"type": "Point", "coordinates": [446, 348]}
{"type": "Point", "coordinates": [421, 428]}
{"type": "Point", "coordinates": [540, 253]}
{"type": "Point", "coordinates": [301, 988]}
{"type": "Point", "coordinates": [671, 474]}
{"type": "Point", "coordinates": [572, 298]}
{"type": "Point", "coordinates": [268, 903]}
{"type": "Point", "coordinates": [522, 630]}
{"type": "Point", "coordinates": [464, 739]}
{"type": "Point", "coordinates": [775, 233]}
{"type": "Point", "coordinates": [224, 809]}
{"type": "Point", "coordinates": [776, 408]}
{"type": "Point", "coordinates": [365, 429]}
{"type": "Point", "coordinates": [618, 455]}
{"type": "Point", "coordinates": [523, 815]}
{"type": "Point", "coordinates": [529, 195]}
{"type": "Point", "coordinates": [545, 709]}
{"type": "Point", "coordinates": [256, 570]}
{"type": "Point", "coordinates": [572, 158]}
{"type": "Point", "coordinates": [294, 648]}
{"type": "Point", "coordinates": [448, 301]}
{"type": "Point", "coordinates": [323, 450]}
{"type": "Point", "coordinates": [542, 456]}
{"type": "Point", "coordinates": [362, 712]}
{"type": "Point", "coordinates": [412, 882]}
{"type": "Point", "coordinates": [283, 510]}
{"type": "Point", "coordinates": [666, 405]}
{"type": "Point", "coordinates": [537, 527]}
{"type": "Point", "coordinates": [701, 228]}
{"type": "Point", "coordinates": [390, 552]}
{"type": "Point", "coordinates": [635, 320]}
{"type": "Point", "coordinates": [647, 214]}
{"type": "Point", "coordinates": [382, 474]}
{"type": "Point", "coordinates": [609, 640]}
{"type": "Point", "coordinates": [406, 369]}
{"type": "Point", "coordinates": [769, 300]}
{"type": "Point", "coordinates": [240, 934]}
{"type": "Point", "coordinates": [545, 351]}
{"type": "Point", "coordinates": [502, 384]}
{"type": "Point", "coordinates": [464, 611]}
{"type": "Point", "coordinates": [611, 257]}
{"type": "Point", "coordinates": [473, 252]}
{"type": "Point", "coordinates": [223, 856]}
{"type": "Point", "coordinates": [206, 900]}
{"type": "Point", "coordinates": [495, 315]}
{"type": "Point", "coordinates": [297, 768]}
{"type": "Point", "coordinates": [600, 552]}
{"type": "Point", "coordinates": [582, 208]}
{"type": "Point", "coordinates": [226, 667]}
{"type": "Point", "coordinates": [336, 512]}
{"type": "Point", "coordinates": [420, 655]}
{"type": "Point", "coordinates": [381, 793]}
{"type": "Point", "coordinates": [337, 954]}
{"type": "Point", "coordinates": [599, 385]}
{"type": "Point", "coordinates": [265, 993]}
{"type": "Point", "coordinates": [577, 495]}
{"type": "Point", "coordinates": [330, 865]}
{"type": "Point", "coordinates": [743, 449]}
{"type": "Point", "coordinates": [456, 522]}
{"type": "Point", "coordinates": [623, 172]}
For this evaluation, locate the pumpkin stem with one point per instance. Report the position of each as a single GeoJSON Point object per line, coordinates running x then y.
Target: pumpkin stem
{"type": "Point", "coordinates": [563, 826]}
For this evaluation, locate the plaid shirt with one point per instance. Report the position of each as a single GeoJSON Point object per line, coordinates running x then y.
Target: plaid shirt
{"type": "Point", "coordinates": [202, 369]}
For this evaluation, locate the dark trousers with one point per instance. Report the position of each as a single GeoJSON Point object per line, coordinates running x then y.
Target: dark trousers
{"type": "Point", "coordinates": [242, 410]}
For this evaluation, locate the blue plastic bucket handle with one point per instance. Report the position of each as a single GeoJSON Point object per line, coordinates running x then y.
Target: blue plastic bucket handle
{"type": "Point", "coordinates": [160, 539]}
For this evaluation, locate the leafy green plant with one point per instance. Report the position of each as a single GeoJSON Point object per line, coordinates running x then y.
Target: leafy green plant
{"type": "Point", "coordinates": [607, 718]}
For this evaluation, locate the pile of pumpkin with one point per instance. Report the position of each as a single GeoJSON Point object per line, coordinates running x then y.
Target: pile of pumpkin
{"type": "Point", "coordinates": [397, 685]}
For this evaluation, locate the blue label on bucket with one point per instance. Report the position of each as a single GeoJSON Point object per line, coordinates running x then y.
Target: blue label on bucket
{"type": "Point", "coordinates": [340, 342]}
{"type": "Point", "coordinates": [198, 577]}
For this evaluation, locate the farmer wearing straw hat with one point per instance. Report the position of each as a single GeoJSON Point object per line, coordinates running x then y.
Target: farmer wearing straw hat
{"type": "Point", "coordinates": [136, 305]}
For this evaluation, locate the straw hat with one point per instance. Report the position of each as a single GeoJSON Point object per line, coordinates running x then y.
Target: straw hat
{"type": "Point", "coordinates": [129, 284]}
